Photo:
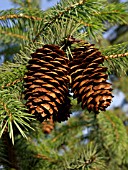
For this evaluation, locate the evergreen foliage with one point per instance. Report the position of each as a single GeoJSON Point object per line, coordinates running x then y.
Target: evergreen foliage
{"type": "Point", "coordinates": [23, 144]}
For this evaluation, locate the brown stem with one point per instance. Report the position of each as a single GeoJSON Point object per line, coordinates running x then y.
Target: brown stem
{"type": "Point", "coordinates": [10, 151]}
{"type": "Point", "coordinates": [116, 56]}
{"type": "Point", "coordinates": [15, 16]}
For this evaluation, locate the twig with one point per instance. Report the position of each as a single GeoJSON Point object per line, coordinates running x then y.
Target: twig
{"type": "Point", "coordinates": [14, 35]}
{"type": "Point", "coordinates": [14, 16]}
{"type": "Point", "coordinates": [116, 56]}
{"type": "Point", "coordinates": [12, 83]}
{"type": "Point", "coordinates": [44, 157]}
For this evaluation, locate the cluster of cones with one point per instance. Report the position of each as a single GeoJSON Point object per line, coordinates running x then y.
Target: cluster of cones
{"type": "Point", "coordinates": [47, 82]}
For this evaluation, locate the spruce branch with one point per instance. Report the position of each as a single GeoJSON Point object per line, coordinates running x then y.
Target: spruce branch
{"type": "Point", "coordinates": [21, 21]}
{"type": "Point", "coordinates": [13, 114]}
{"type": "Point", "coordinates": [12, 73]}
{"type": "Point", "coordinates": [90, 158]}
{"type": "Point", "coordinates": [44, 157]}
{"type": "Point", "coordinates": [66, 28]}
{"type": "Point", "coordinates": [115, 49]}
{"type": "Point", "coordinates": [116, 56]}
{"type": "Point", "coordinates": [23, 27]}
{"type": "Point", "coordinates": [114, 136]}
{"type": "Point", "coordinates": [13, 35]}
{"type": "Point", "coordinates": [22, 15]}
{"type": "Point", "coordinates": [57, 16]}
{"type": "Point", "coordinates": [12, 83]}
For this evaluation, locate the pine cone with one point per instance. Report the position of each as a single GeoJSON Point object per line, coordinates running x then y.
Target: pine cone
{"type": "Point", "coordinates": [46, 84]}
{"type": "Point", "coordinates": [88, 78]}
{"type": "Point", "coordinates": [48, 125]}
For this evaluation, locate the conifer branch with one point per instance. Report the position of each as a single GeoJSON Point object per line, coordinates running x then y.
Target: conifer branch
{"type": "Point", "coordinates": [13, 35]}
{"type": "Point", "coordinates": [6, 109]}
{"type": "Point", "coordinates": [83, 164]}
{"type": "Point", "coordinates": [13, 113]}
{"type": "Point", "coordinates": [114, 135]}
{"type": "Point", "coordinates": [90, 158]}
{"type": "Point", "coordinates": [15, 16]}
{"type": "Point", "coordinates": [107, 12]}
{"type": "Point", "coordinates": [116, 56]}
{"type": "Point", "coordinates": [25, 30]}
{"type": "Point", "coordinates": [57, 16]}
{"type": "Point", "coordinates": [44, 157]}
{"type": "Point", "coordinates": [99, 14]}
{"type": "Point", "coordinates": [113, 124]}
{"type": "Point", "coordinates": [85, 24]}
{"type": "Point", "coordinates": [12, 83]}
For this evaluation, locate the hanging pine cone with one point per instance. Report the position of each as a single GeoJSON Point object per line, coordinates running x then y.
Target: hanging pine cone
{"type": "Point", "coordinates": [48, 125]}
{"type": "Point", "coordinates": [88, 78]}
{"type": "Point", "coordinates": [46, 84]}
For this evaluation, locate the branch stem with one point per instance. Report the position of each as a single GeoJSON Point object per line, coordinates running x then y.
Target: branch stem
{"type": "Point", "coordinates": [116, 56]}
{"type": "Point", "coordinates": [15, 16]}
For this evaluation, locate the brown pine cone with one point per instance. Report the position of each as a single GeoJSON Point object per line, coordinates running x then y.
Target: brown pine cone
{"type": "Point", "coordinates": [46, 84]}
{"type": "Point", "coordinates": [88, 78]}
